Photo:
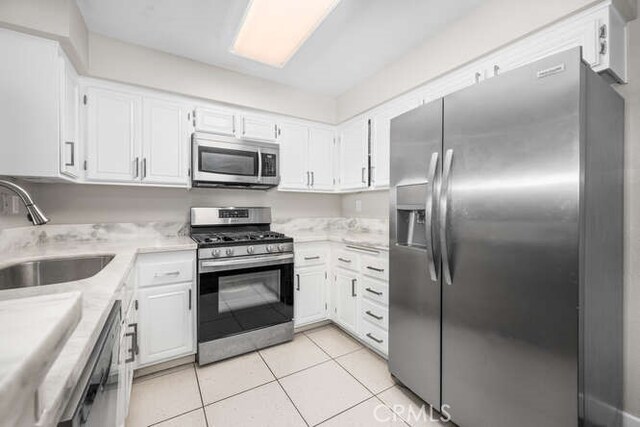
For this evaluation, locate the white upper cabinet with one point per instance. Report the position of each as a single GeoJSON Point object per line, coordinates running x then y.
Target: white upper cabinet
{"type": "Point", "coordinates": [381, 137]}
{"type": "Point", "coordinates": [258, 128]}
{"type": "Point", "coordinates": [35, 118]}
{"type": "Point", "coordinates": [354, 155]}
{"type": "Point", "coordinates": [215, 120]}
{"type": "Point", "coordinates": [70, 132]}
{"type": "Point", "coordinates": [321, 143]}
{"type": "Point", "coordinates": [114, 134]}
{"type": "Point", "coordinates": [294, 146]}
{"type": "Point", "coordinates": [166, 131]}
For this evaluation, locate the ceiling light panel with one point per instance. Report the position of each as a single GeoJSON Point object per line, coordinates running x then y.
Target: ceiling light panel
{"type": "Point", "coordinates": [272, 31]}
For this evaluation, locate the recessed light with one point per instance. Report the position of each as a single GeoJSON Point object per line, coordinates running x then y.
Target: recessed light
{"type": "Point", "coordinates": [272, 31]}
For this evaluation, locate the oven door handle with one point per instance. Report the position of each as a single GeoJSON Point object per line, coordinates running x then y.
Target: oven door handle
{"type": "Point", "coordinates": [244, 262]}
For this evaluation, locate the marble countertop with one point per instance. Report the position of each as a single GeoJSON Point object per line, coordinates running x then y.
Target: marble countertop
{"type": "Point", "coordinates": [98, 295]}
{"type": "Point", "coordinates": [37, 329]}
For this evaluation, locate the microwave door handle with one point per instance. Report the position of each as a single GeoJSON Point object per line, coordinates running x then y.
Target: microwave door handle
{"type": "Point", "coordinates": [259, 164]}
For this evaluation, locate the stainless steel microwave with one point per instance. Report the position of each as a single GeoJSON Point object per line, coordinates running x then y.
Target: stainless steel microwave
{"type": "Point", "coordinates": [220, 161]}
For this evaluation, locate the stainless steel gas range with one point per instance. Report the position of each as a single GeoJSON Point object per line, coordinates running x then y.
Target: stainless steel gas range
{"type": "Point", "coordinates": [245, 282]}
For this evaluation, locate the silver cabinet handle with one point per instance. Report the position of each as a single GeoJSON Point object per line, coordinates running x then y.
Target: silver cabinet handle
{"type": "Point", "coordinates": [372, 174]}
{"type": "Point", "coordinates": [379, 341]}
{"type": "Point", "coordinates": [136, 167]}
{"type": "Point", "coordinates": [144, 168]}
{"type": "Point", "coordinates": [444, 205]}
{"type": "Point", "coordinates": [308, 179]}
{"type": "Point", "coordinates": [353, 287]}
{"type": "Point", "coordinates": [73, 153]}
{"type": "Point", "coordinates": [373, 292]}
{"type": "Point", "coordinates": [275, 131]}
{"type": "Point", "coordinates": [298, 278]}
{"type": "Point", "coordinates": [134, 350]}
{"type": "Point", "coordinates": [363, 180]}
{"type": "Point", "coordinates": [308, 258]}
{"type": "Point", "coordinates": [348, 261]}
{"type": "Point", "coordinates": [313, 179]}
{"type": "Point", "coordinates": [359, 248]}
{"type": "Point", "coordinates": [373, 315]}
{"type": "Point", "coordinates": [477, 77]}
{"type": "Point", "coordinates": [167, 273]}
{"type": "Point", "coordinates": [496, 70]}
{"type": "Point", "coordinates": [379, 270]}
{"type": "Point", "coordinates": [190, 299]}
{"type": "Point", "coordinates": [233, 125]}
{"type": "Point", "coordinates": [431, 197]}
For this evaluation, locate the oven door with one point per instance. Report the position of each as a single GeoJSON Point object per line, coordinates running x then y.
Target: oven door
{"type": "Point", "coordinates": [241, 295]}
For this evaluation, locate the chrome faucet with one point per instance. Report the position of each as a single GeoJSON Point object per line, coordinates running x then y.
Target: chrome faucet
{"type": "Point", "coordinates": [34, 214]}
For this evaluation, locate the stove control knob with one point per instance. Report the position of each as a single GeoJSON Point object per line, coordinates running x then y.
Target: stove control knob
{"type": "Point", "coordinates": [250, 250]}
{"type": "Point", "coordinates": [229, 251]}
{"type": "Point", "coordinates": [215, 253]}
{"type": "Point", "coordinates": [269, 248]}
{"type": "Point", "coordinates": [281, 248]}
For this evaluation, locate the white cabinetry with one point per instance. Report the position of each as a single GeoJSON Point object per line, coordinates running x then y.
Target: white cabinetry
{"type": "Point", "coordinates": [38, 126]}
{"type": "Point", "coordinates": [306, 157]}
{"type": "Point", "coordinates": [310, 296]}
{"type": "Point", "coordinates": [215, 120]}
{"type": "Point", "coordinates": [346, 309]}
{"type": "Point", "coordinates": [114, 135]}
{"type": "Point", "coordinates": [165, 142]}
{"type": "Point", "coordinates": [132, 138]}
{"type": "Point", "coordinates": [166, 301]}
{"type": "Point", "coordinates": [258, 128]}
{"type": "Point", "coordinates": [354, 155]}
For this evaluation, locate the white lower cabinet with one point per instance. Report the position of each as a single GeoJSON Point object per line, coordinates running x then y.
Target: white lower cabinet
{"type": "Point", "coordinates": [346, 309]}
{"type": "Point", "coordinates": [310, 295]}
{"type": "Point", "coordinates": [166, 322]}
{"type": "Point", "coordinates": [166, 306]}
{"type": "Point", "coordinates": [127, 360]}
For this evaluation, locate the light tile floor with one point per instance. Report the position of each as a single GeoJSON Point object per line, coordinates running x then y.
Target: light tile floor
{"type": "Point", "coordinates": [322, 377]}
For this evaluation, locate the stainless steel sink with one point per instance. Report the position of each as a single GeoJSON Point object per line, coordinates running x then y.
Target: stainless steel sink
{"type": "Point", "coordinates": [52, 271]}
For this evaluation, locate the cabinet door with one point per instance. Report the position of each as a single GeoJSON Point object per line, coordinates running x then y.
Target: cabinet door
{"type": "Point", "coordinates": [113, 135]}
{"type": "Point", "coordinates": [381, 138]}
{"type": "Point", "coordinates": [354, 151]}
{"type": "Point", "coordinates": [347, 300]}
{"type": "Point", "coordinates": [166, 319]}
{"type": "Point", "coordinates": [259, 128]}
{"type": "Point", "coordinates": [309, 297]}
{"type": "Point", "coordinates": [69, 141]}
{"type": "Point", "coordinates": [165, 142]}
{"type": "Point", "coordinates": [321, 143]}
{"type": "Point", "coordinates": [294, 143]}
{"type": "Point", "coordinates": [213, 120]}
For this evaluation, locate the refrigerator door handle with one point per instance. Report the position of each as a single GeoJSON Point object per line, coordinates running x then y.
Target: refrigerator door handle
{"type": "Point", "coordinates": [444, 205]}
{"type": "Point", "coordinates": [431, 195]}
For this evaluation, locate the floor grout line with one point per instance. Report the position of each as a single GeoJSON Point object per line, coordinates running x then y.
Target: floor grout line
{"type": "Point", "coordinates": [285, 391]}
{"type": "Point", "coordinates": [195, 371]}
{"type": "Point", "coordinates": [391, 410]}
{"type": "Point", "coordinates": [343, 411]}
{"type": "Point", "coordinates": [175, 416]}
{"type": "Point", "coordinates": [239, 393]}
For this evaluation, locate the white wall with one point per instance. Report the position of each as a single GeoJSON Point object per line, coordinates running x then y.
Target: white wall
{"type": "Point", "coordinates": [631, 92]}
{"type": "Point", "coordinates": [373, 204]}
{"type": "Point", "coordinates": [74, 203]}
{"type": "Point", "coordinates": [489, 26]}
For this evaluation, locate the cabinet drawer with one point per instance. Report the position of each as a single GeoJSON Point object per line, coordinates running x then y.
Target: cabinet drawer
{"type": "Point", "coordinates": [346, 259]}
{"type": "Point", "coordinates": [162, 268]}
{"type": "Point", "coordinates": [374, 313]}
{"type": "Point", "coordinates": [377, 267]}
{"type": "Point", "coordinates": [308, 257]}
{"type": "Point", "coordinates": [376, 337]}
{"type": "Point", "coordinates": [375, 291]}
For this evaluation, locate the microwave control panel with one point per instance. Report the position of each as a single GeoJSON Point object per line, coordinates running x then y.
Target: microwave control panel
{"type": "Point", "coordinates": [269, 165]}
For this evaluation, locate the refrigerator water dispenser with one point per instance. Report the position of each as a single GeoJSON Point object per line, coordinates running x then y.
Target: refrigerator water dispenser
{"type": "Point", "coordinates": [411, 215]}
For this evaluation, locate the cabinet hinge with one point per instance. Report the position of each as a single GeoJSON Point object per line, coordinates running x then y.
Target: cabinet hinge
{"type": "Point", "coordinates": [85, 99]}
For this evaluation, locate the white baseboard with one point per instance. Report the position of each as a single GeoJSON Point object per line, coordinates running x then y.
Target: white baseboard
{"type": "Point", "coordinates": [629, 420]}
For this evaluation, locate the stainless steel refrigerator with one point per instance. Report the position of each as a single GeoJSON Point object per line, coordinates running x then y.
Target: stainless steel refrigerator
{"type": "Point", "coordinates": [506, 249]}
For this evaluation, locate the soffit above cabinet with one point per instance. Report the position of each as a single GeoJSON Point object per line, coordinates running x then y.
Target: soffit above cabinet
{"type": "Point", "coordinates": [358, 38]}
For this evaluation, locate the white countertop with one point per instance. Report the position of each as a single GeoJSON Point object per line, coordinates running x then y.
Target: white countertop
{"type": "Point", "coordinates": [33, 333]}
{"type": "Point", "coordinates": [98, 295]}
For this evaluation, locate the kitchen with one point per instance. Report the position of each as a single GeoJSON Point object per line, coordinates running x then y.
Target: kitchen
{"type": "Point", "coordinates": [220, 236]}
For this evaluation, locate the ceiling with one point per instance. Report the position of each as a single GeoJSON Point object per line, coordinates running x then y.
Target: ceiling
{"type": "Point", "coordinates": [357, 39]}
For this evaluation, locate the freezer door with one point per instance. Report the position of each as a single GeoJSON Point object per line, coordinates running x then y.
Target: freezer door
{"type": "Point", "coordinates": [510, 238]}
{"type": "Point", "coordinates": [414, 281]}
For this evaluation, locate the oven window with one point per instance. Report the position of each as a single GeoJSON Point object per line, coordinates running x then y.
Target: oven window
{"type": "Point", "coordinates": [236, 301]}
{"type": "Point", "coordinates": [228, 162]}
